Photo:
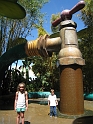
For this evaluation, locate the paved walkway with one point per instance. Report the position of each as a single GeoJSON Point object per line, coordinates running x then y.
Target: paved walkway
{"type": "Point", "coordinates": [38, 114]}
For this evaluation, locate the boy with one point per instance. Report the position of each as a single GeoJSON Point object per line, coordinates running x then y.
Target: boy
{"type": "Point", "coordinates": [52, 101]}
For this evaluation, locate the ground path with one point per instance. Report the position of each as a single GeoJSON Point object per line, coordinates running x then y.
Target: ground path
{"type": "Point", "coordinates": [38, 114]}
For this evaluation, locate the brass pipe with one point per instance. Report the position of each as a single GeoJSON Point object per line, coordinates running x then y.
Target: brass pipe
{"type": "Point", "coordinates": [43, 45]}
{"type": "Point", "coordinates": [31, 48]}
{"type": "Point", "coordinates": [53, 44]}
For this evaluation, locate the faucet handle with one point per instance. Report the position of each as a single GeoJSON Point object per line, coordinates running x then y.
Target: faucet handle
{"type": "Point", "coordinates": [80, 5]}
{"type": "Point", "coordinates": [67, 14]}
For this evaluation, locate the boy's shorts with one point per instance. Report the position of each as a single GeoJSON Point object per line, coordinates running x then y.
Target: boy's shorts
{"type": "Point", "coordinates": [20, 109]}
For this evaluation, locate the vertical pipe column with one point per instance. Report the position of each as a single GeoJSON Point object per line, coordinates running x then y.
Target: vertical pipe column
{"type": "Point", "coordinates": [71, 78]}
{"type": "Point", "coordinates": [71, 90]}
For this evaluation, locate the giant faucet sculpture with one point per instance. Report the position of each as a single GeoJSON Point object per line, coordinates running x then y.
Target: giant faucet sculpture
{"type": "Point", "coordinates": [70, 60]}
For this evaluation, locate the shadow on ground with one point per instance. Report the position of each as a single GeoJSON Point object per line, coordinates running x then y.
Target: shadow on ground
{"type": "Point", "coordinates": [26, 122]}
{"type": "Point", "coordinates": [7, 105]}
{"type": "Point", "coordinates": [84, 120]}
{"type": "Point", "coordinates": [7, 102]}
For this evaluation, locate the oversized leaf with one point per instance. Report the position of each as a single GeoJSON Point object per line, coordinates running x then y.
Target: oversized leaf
{"type": "Point", "coordinates": [11, 9]}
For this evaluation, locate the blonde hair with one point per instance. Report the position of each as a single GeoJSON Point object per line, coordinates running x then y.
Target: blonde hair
{"type": "Point", "coordinates": [18, 87]}
{"type": "Point", "coordinates": [52, 90]}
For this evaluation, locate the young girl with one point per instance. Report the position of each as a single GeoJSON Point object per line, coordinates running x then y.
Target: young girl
{"type": "Point", "coordinates": [21, 102]}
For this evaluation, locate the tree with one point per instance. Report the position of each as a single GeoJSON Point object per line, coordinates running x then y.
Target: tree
{"type": "Point", "coordinates": [53, 18]}
{"type": "Point", "coordinates": [86, 45]}
{"type": "Point", "coordinates": [12, 29]}
{"type": "Point", "coordinates": [87, 13]}
{"type": "Point", "coordinates": [41, 30]}
{"type": "Point", "coordinates": [46, 72]}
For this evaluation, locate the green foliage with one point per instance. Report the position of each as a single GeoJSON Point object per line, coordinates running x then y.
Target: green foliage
{"type": "Point", "coordinates": [47, 73]}
{"type": "Point", "coordinates": [41, 30]}
{"type": "Point", "coordinates": [11, 80]}
{"type": "Point", "coordinates": [86, 45]}
{"type": "Point", "coordinates": [53, 18]}
{"type": "Point", "coordinates": [87, 13]}
{"type": "Point", "coordinates": [87, 52]}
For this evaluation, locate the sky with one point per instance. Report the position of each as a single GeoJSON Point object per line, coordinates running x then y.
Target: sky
{"type": "Point", "coordinates": [54, 7]}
